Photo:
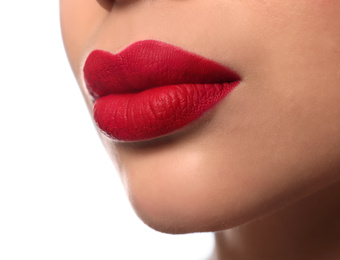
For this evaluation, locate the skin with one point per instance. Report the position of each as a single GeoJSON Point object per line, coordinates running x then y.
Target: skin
{"type": "Point", "coordinates": [263, 167]}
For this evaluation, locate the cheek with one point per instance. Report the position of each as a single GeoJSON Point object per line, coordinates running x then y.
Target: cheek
{"type": "Point", "coordinates": [298, 17]}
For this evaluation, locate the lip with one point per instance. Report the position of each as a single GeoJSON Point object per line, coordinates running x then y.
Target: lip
{"type": "Point", "coordinates": [152, 88]}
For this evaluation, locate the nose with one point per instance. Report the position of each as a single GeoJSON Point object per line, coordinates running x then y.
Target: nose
{"type": "Point", "coordinates": [106, 4]}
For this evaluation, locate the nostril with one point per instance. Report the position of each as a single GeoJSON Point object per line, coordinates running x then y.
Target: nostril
{"type": "Point", "coordinates": [106, 4]}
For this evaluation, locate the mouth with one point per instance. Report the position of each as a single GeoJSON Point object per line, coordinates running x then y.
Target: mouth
{"type": "Point", "coordinates": [151, 89]}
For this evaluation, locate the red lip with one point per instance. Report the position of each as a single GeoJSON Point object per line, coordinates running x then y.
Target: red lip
{"type": "Point", "coordinates": [152, 88]}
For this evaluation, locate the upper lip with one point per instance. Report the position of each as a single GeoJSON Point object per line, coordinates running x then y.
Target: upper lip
{"type": "Point", "coordinates": [149, 64]}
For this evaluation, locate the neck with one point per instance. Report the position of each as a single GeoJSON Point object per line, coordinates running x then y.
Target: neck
{"type": "Point", "coordinates": [309, 229]}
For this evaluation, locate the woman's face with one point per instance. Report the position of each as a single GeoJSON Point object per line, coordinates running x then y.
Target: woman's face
{"type": "Point", "coordinates": [274, 139]}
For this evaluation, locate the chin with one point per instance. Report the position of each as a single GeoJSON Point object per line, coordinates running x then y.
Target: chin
{"type": "Point", "coordinates": [175, 202]}
{"type": "Point", "coordinates": [201, 196]}
{"type": "Point", "coordinates": [186, 214]}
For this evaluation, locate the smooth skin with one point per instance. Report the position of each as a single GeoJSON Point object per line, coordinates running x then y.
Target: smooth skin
{"type": "Point", "coordinates": [262, 169]}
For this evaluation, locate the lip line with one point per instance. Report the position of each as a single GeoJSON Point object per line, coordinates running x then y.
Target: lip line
{"type": "Point", "coordinates": [119, 67]}
{"type": "Point", "coordinates": [168, 86]}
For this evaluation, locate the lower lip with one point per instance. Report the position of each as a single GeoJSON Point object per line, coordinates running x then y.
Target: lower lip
{"type": "Point", "coordinates": [157, 111]}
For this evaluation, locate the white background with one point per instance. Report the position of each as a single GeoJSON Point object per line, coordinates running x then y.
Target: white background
{"type": "Point", "coordinates": [60, 197]}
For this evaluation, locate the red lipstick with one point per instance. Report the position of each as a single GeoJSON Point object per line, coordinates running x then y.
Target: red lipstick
{"type": "Point", "coordinates": [152, 88]}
